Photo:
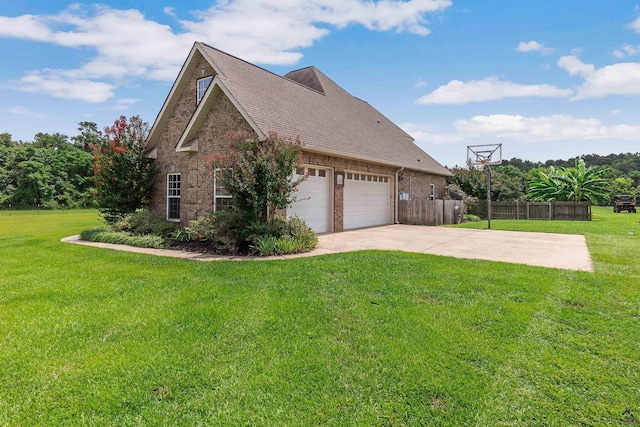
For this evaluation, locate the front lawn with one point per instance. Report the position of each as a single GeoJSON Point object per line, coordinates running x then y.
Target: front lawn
{"type": "Point", "coordinates": [97, 337]}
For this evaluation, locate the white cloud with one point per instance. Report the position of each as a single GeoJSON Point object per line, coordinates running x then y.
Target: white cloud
{"type": "Point", "coordinates": [169, 11]}
{"type": "Point", "coordinates": [128, 45]}
{"type": "Point", "coordinates": [420, 83]}
{"type": "Point", "coordinates": [19, 110]}
{"type": "Point", "coordinates": [617, 79]}
{"type": "Point", "coordinates": [492, 88]}
{"type": "Point", "coordinates": [124, 103]}
{"type": "Point", "coordinates": [269, 31]}
{"type": "Point", "coordinates": [59, 86]}
{"type": "Point", "coordinates": [533, 46]}
{"type": "Point", "coordinates": [525, 129]}
{"type": "Point", "coordinates": [635, 25]}
{"type": "Point", "coordinates": [626, 50]}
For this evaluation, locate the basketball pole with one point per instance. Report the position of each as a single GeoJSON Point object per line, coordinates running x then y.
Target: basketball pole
{"type": "Point", "coordinates": [488, 197]}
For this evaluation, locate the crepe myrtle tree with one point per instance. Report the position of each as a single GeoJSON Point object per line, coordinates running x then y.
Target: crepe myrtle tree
{"type": "Point", "coordinates": [258, 174]}
{"type": "Point", "coordinates": [123, 175]}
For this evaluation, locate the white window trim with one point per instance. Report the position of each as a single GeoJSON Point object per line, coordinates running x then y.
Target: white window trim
{"type": "Point", "coordinates": [215, 193]}
{"type": "Point", "coordinates": [170, 196]}
{"type": "Point", "coordinates": [432, 196]}
{"type": "Point", "coordinates": [200, 93]}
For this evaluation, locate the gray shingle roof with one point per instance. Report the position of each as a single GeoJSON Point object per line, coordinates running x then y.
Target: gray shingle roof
{"type": "Point", "coordinates": [308, 104]}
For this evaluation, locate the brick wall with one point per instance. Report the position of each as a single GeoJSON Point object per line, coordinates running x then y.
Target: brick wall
{"type": "Point", "coordinates": [196, 175]}
{"type": "Point", "coordinates": [418, 184]}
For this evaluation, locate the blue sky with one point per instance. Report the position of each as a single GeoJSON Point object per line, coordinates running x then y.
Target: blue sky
{"type": "Point", "coordinates": [550, 79]}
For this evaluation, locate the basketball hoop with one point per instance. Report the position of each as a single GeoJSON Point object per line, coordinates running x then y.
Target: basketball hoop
{"type": "Point", "coordinates": [479, 156]}
{"type": "Point", "coordinates": [480, 164]}
{"type": "Point", "coordinates": [483, 157]}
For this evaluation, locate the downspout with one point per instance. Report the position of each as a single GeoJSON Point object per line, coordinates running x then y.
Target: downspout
{"type": "Point", "coordinates": [397, 194]}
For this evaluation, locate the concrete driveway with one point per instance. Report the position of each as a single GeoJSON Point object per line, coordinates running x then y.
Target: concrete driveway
{"type": "Point", "coordinates": [567, 251]}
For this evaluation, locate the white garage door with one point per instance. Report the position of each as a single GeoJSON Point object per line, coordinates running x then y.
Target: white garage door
{"type": "Point", "coordinates": [367, 200]}
{"type": "Point", "coordinates": [313, 199]}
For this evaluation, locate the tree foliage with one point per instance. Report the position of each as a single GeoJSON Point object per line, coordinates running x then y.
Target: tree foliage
{"type": "Point", "coordinates": [47, 173]}
{"type": "Point", "coordinates": [507, 182]}
{"type": "Point", "coordinates": [580, 183]}
{"type": "Point", "coordinates": [257, 174]}
{"type": "Point", "coordinates": [123, 175]}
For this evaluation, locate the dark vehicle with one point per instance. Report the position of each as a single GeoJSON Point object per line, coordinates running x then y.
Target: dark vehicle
{"type": "Point", "coordinates": [624, 202]}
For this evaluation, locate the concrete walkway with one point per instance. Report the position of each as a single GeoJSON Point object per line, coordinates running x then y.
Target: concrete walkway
{"type": "Point", "coordinates": [566, 251]}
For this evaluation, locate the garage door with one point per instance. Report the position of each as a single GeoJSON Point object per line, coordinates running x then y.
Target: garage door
{"type": "Point", "coordinates": [367, 200]}
{"type": "Point", "coordinates": [313, 199]}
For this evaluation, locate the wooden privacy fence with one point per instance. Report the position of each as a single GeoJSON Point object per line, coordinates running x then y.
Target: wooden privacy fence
{"type": "Point", "coordinates": [575, 211]}
{"type": "Point", "coordinates": [430, 212]}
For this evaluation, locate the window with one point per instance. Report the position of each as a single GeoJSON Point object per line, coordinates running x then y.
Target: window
{"type": "Point", "coordinates": [203, 84]}
{"type": "Point", "coordinates": [221, 198]}
{"type": "Point", "coordinates": [173, 197]}
{"type": "Point", "coordinates": [433, 192]}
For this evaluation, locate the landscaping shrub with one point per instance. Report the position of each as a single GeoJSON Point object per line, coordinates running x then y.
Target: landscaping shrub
{"type": "Point", "coordinates": [143, 222]}
{"type": "Point", "coordinates": [103, 235]}
{"type": "Point", "coordinates": [471, 218]}
{"type": "Point", "coordinates": [219, 228]}
{"type": "Point", "coordinates": [295, 236]}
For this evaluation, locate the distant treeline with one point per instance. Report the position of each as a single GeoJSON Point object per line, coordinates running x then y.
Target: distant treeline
{"type": "Point", "coordinates": [510, 180]}
{"type": "Point", "coordinates": [50, 172]}
{"type": "Point", "coordinates": [55, 171]}
{"type": "Point", "coordinates": [624, 164]}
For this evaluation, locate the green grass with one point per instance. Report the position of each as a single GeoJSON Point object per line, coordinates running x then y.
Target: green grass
{"type": "Point", "coordinates": [98, 337]}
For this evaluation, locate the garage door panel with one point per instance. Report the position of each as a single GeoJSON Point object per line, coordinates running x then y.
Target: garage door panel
{"type": "Point", "coordinates": [367, 202]}
{"type": "Point", "coordinates": [313, 201]}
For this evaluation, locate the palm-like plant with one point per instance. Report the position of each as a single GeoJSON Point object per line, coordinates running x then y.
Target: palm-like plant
{"type": "Point", "coordinates": [577, 184]}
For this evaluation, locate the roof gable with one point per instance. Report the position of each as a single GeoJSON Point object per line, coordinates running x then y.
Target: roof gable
{"type": "Point", "coordinates": [305, 103]}
{"type": "Point", "coordinates": [307, 77]}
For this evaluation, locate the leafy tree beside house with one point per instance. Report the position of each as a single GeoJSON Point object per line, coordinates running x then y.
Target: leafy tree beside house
{"type": "Point", "coordinates": [123, 175]}
{"type": "Point", "coordinates": [258, 176]}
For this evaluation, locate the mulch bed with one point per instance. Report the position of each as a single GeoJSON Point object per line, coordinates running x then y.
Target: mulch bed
{"type": "Point", "coordinates": [205, 247]}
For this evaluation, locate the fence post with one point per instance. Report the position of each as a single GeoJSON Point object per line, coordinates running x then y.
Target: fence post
{"type": "Point", "coordinates": [550, 211]}
{"type": "Point", "coordinates": [517, 210]}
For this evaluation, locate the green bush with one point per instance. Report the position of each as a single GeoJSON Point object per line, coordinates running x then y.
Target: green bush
{"type": "Point", "coordinates": [103, 235]}
{"type": "Point", "coordinates": [471, 218]}
{"type": "Point", "coordinates": [143, 222]}
{"type": "Point", "coordinates": [220, 228]}
{"type": "Point", "coordinates": [295, 236]}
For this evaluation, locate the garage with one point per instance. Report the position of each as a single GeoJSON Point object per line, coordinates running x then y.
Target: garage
{"type": "Point", "coordinates": [367, 200]}
{"type": "Point", "coordinates": [313, 199]}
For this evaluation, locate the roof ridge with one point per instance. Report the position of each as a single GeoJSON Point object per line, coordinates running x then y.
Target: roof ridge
{"type": "Point", "coordinates": [240, 59]}
{"type": "Point", "coordinates": [264, 69]}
